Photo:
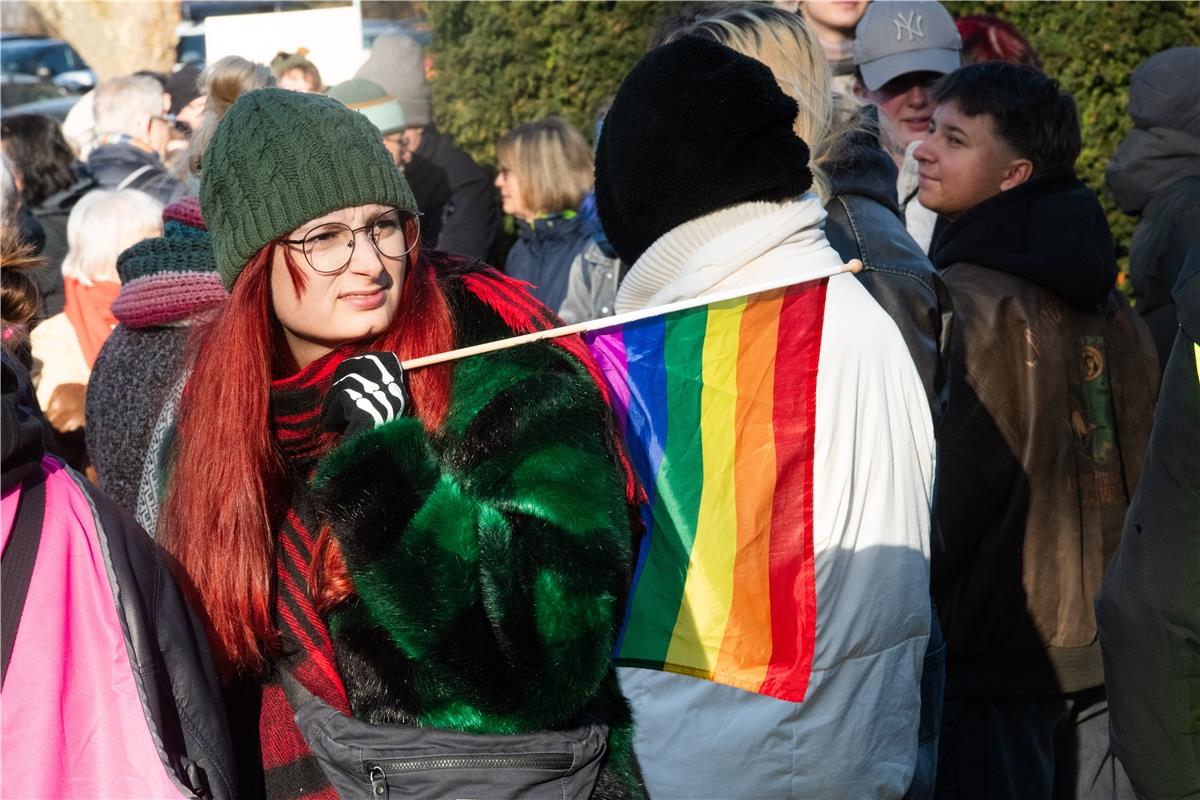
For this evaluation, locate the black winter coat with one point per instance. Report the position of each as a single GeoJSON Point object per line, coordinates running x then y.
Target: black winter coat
{"type": "Point", "coordinates": [53, 213]}
{"type": "Point", "coordinates": [543, 255]}
{"type": "Point", "coordinates": [113, 165]}
{"type": "Point", "coordinates": [459, 210]}
{"type": "Point", "coordinates": [1149, 605]}
{"type": "Point", "coordinates": [1156, 174]}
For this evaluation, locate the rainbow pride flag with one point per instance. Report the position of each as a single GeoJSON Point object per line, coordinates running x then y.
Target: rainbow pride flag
{"type": "Point", "coordinates": [718, 407]}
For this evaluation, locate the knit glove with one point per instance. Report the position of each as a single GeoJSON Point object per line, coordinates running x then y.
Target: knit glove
{"type": "Point", "coordinates": [367, 391]}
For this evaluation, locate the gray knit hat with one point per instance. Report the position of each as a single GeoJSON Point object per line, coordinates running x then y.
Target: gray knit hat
{"type": "Point", "coordinates": [280, 159]}
{"type": "Point", "coordinates": [397, 64]}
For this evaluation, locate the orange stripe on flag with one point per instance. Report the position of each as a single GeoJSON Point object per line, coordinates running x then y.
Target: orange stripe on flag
{"type": "Point", "coordinates": [746, 649]}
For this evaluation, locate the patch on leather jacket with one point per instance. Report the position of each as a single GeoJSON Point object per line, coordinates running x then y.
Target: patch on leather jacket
{"type": "Point", "coordinates": [1091, 404]}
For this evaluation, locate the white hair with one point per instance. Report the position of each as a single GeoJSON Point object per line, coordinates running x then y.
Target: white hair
{"type": "Point", "coordinates": [101, 226]}
{"type": "Point", "coordinates": [123, 105]}
{"type": "Point", "coordinates": [79, 128]}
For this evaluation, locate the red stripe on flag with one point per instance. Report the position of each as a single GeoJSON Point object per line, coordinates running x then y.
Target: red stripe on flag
{"type": "Point", "coordinates": [793, 582]}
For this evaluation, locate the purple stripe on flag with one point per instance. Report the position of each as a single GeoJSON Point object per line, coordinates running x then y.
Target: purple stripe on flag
{"type": "Point", "coordinates": [608, 347]}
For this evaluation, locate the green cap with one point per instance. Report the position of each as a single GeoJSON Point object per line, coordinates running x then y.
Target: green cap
{"type": "Point", "coordinates": [280, 159]}
{"type": "Point", "coordinates": [369, 99]}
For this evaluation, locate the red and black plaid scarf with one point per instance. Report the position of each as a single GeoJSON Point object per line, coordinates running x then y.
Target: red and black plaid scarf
{"type": "Point", "coordinates": [289, 768]}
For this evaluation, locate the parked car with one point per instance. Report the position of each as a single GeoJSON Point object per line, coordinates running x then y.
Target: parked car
{"type": "Point", "coordinates": [49, 59]}
{"type": "Point", "coordinates": [17, 89]}
{"type": "Point", "coordinates": [416, 29]}
{"type": "Point", "coordinates": [57, 107]}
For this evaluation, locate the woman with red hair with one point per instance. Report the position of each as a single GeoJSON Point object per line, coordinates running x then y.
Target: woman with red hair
{"type": "Point", "coordinates": [443, 550]}
{"type": "Point", "coordinates": [989, 38]}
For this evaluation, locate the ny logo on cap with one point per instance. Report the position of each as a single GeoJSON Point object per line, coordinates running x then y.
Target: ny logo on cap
{"type": "Point", "coordinates": [912, 25]}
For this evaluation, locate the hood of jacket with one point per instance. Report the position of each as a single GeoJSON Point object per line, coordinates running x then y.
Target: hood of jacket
{"type": "Point", "coordinates": [862, 168]}
{"type": "Point", "coordinates": [62, 201]}
{"type": "Point", "coordinates": [1148, 161]}
{"type": "Point", "coordinates": [1164, 93]}
{"type": "Point", "coordinates": [1050, 231]}
{"type": "Point", "coordinates": [110, 163]}
{"type": "Point", "coordinates": [548, 231]}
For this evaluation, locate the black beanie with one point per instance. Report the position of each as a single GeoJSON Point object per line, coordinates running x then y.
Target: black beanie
{"type": "Point", "coordinates": [694, 128]}
{"type": "Point", "coordinates": [183, 87]}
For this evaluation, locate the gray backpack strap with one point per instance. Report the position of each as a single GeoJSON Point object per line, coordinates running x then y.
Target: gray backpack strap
{"type": "Point", "coordinates": [133, 176]}
{"type": "Point", "coordinates": [16, 565]}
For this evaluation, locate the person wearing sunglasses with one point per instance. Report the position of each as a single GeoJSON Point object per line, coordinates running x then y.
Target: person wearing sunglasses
{"type": "Point", "coordinates": [443, 548]}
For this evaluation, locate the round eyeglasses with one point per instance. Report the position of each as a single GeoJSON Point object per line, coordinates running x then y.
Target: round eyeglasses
{"type": "Point", "coordinates": [328, 248]}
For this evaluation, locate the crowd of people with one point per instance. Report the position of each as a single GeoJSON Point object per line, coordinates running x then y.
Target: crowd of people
{"type": "Point", "coordinates": [247, 554]}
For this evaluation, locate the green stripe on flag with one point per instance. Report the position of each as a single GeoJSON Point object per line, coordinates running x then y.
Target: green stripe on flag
{"type": "Point", "coordinates": [679, 483]}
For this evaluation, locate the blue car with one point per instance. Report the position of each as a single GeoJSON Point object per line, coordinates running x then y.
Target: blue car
{"type": "Point", "coordinates": [50, 60]}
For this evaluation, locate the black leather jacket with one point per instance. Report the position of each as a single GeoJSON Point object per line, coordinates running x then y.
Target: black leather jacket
{"type": "Point", "coordinates": [865, 222]}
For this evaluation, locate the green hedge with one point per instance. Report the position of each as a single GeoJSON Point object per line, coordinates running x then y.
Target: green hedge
{"type": "Point", "coordinates": [499, 64]}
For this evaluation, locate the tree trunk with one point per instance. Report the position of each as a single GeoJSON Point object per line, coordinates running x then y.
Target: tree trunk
{"type": "Point", "coordinates": [116, 37]}
{"type": "Point", "coordinates": [17, 16]}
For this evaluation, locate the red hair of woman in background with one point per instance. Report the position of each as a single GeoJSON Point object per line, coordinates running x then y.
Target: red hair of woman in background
{"type": "Point", "coordinates": [989, 38]}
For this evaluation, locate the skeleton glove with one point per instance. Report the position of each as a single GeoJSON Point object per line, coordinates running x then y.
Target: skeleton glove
{"type": "Point", "coordinates": [367, 391]}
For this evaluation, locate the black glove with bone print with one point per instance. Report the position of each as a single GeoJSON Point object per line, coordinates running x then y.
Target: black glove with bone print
{"type": "Point", "coordinates": [367, 391]}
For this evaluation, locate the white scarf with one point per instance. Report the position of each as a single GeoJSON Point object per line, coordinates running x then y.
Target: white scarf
{"type": "Point", "coordinates": [750, 244]}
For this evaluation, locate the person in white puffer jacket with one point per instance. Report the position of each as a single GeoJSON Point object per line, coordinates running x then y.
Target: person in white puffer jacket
{"type": "Point", "coordinates": [702, 186]}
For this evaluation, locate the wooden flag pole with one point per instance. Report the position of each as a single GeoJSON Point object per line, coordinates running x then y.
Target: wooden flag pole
{"type": "Point", "coordinates": [620, 319]}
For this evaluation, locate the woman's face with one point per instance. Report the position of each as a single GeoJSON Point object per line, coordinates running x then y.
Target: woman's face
{"type": "Point", "coordinates": [296, 80]}
{"type": "Point", "coordinates": [357, 303]}
{"type": "Point", "coordinates": [510, 193]}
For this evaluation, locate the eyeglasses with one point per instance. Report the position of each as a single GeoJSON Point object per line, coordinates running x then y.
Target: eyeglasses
{"type": "Point", "coordinates": [328, 248]}
{"type": "Point", "coordinates": [175, 124]}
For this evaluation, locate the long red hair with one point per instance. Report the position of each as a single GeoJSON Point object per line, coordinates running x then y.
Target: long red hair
{"type": "Point", "coordinates": [227, 488]}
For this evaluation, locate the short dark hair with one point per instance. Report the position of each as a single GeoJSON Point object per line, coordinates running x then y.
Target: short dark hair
{"type": "Point", "coordinates": [1033, 115]}
{"type": "Point", "coordinates": [36, 146]}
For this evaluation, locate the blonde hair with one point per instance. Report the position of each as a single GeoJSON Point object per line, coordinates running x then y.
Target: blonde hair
{"type": "Point", "coordinates": [223, 82]}
{"type": "Point", "coordinates": [552, 161]}
{"type": "Point", "coordinates": [101, 226]}
{"type": "Point", "coordinates": [788, 47]}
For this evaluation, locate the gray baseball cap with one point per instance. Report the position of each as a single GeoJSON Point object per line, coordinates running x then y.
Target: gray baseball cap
{"type": "Point", "coordinates": [896, 37]}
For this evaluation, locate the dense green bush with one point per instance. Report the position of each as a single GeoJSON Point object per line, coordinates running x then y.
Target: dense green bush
{"type": "Point", "coordinates": [499, 64]}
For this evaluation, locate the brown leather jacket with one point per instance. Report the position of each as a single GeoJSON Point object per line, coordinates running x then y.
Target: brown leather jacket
{"type": "Point", "coordinates": [1050, 411]}
{"type": "Point", "coordinates": [1040, 452]}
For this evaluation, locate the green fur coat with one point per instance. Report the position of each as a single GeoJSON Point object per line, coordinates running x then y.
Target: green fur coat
{"type": "Point", "coordinates": [491, 560]}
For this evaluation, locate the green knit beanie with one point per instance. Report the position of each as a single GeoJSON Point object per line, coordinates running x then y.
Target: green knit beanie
{"type": "Point", "coordinates": [369, 99]}
{"type": "Point", "coordinates": [280, 159]}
